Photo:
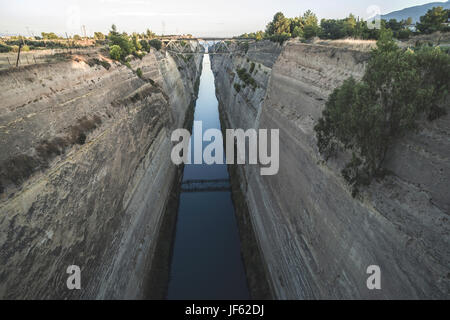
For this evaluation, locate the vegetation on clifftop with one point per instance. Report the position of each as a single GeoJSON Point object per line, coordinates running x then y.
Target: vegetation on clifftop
{"type": "Point", "coordinates": [121, 44]}
{"type": "Point", "coordinates": [399, 88]}
{"type": "Point", "coordinates": [307, 26]}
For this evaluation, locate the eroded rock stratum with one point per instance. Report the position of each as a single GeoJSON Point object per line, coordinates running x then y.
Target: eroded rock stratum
{"type": "Point", "coordinates": [86, 171]}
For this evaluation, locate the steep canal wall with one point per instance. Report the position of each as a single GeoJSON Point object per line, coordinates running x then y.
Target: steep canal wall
{"type": "Point", "coordinates": [317, 240]}
{"type": "Point", "coordinates": [85, 171]}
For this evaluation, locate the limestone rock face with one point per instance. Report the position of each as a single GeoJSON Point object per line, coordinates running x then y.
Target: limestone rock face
{"type": "Point", "coordinates": [86, 171]}
{"type": "Point", "coordinates": [316, 239]}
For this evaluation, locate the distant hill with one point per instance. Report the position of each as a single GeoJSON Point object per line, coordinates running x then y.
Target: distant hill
{"type": "Point", "coordinates": [414, 12]}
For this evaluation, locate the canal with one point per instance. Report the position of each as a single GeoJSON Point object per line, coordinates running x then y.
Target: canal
{"type": "Point", "coordinates": [206, 260]}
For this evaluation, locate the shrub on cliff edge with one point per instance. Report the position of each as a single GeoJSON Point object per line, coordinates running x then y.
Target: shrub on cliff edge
{"type": "Point", "coordinates": [156, 43]}
{"type": "Point", "coordinates": [399, 88]}
{"type": "Point", "coordinates": [115, 52]}
{"type": "Point", "coordinates": [139, 72]}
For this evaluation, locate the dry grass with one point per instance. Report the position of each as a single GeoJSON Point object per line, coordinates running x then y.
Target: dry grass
{"type": "Point", "coordinates": [349, 43]}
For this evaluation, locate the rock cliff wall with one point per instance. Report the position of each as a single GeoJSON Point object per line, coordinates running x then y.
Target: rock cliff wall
{"type": "Point", "coordinates": [315, 238]}
{"type": "Point", "coordinates": [85, 171]}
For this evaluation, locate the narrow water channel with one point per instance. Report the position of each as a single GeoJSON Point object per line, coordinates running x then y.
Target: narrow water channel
{"type": "Point", "coordinates": [206, 261]}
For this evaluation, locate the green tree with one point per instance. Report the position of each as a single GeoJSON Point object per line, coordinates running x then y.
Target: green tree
{"type": "Point", "coordinates": [365, 117]}
{"type": "Point", "coordinates": [145, 45]}
{"type": "Point", "coordinates": [399, 28]}
{"type": "Point", "coordinates": [403, 34]}
{"type": "Point", "coordinates": [156, 43]}
{"type": "Point", "coordinates": [310, 24]}
{"type": "Point", "coordinates": [150, 34]}
{"type": "Point", "coordinates": [259, 35]}
{"type": "Point", "coordinates": [135, 41]}
{"type": "Point", "coordinates": [373, 33]}
{"type": "Point", "coordinates": [49, 36]}
{"type": "Point", "coordinates": [297, 32]}
{"type": "Point", "coordinates": [332, 29]}
{"type": "Point", "coordinates": [349, 25]}
{"type": "Point", "coordinates": [296, 22]}
{"type": "Point", "coordinates": [76, 37]}
{"type": "Point", "coordinates": [121, 40]}
{"type": "Point", "coordinates": [99, 36]}
{"type": "Point", "coordinates": [433, 20]}
{"type": "Point", "coordinates": [394, 25]}
{"type": "Point", "coordinates": [115, 52]}
{"type": "Point", "coordinates": [4, 47]}
{"type": "Point", "coordinates": [279, 25]}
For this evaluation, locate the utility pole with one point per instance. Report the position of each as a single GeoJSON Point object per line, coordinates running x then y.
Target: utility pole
{"type": "Point", "coordinates": [68, 41]}
{"type": "Point", "coordinates": [84, 32]}
{"type": "Point", "coordinates": [31, 33]}
{"type": "Point", "coordinates": [18, 54]}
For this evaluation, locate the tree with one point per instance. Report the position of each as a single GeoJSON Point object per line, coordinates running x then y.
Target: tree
{"type": "Point", "coordinates": [433, 20]}
{"type": "Point", "coordinates": [349, 25]}
{"type": "Point", "coordinates": [150, 34]}
{"type": "Point", "coordinates": [49, 36]}
{"type": "Point", "coordinates": [310, 24]}
{"type": "Point", "coordinates": [398, 88]}
{"type": "Point", "coordinates": [4, 47]}
{"type": "Point", "coordinates": [337, 29]}
{"type": "Point", "coordinates": [399, 28]}
{"type": "Point", "coordinates": [394, 25]}
{"type": "Point", "coordinates": [296, 22]}
{"type": "Point", "coordinates": [115, 52]}
{"type": "Point", "coordinates": [310, 31]}
{"type": "Point", "coordinates": [279, 25]}
{"type": "Point", "coordinates": [373, 33]}
{"type": "Point", "coordinates": [145, 45]}
{"type": "Point", "coordinates": [297, 32]}
{"type": "Point", "coordinates": [121, 40]}
{"type": "Point", "coordinates": [156, 43]}
{"type": "Point", "coordinates": [403, 34]}
{"type": "Point", "coordinates": [99, 36]}
{"type": "Point", "coordinates": [259, 35]}
{"type": "Point", "coordinates": [332, 29]}
{"type": "Point", "coordinates": [135, 41]}
{"type": "Point", "coordinates": [76, 37]}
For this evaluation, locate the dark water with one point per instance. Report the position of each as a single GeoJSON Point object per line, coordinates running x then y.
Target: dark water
{"type": "Point", "coordinates": [206, 262]}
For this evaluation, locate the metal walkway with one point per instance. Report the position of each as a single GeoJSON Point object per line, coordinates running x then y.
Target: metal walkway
{"type": "Point", "coordinates": [218, 185]}
{"type": "Point", "coordinates": [223, 47]}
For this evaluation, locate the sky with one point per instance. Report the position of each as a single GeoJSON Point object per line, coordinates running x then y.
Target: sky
{"type": "Point", "coordinates": [197, 17]}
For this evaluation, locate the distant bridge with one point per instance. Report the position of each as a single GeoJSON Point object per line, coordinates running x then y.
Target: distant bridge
{"type": "Point", "coordinates": [217, 185]}
{"type": "Point", "coordinates": [225, 49]}
{"type": "Point", "coordinates": [206, 39]}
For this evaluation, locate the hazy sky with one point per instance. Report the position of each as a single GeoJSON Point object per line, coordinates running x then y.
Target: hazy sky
{"type": "Point", "coordinates": [197, 17]}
